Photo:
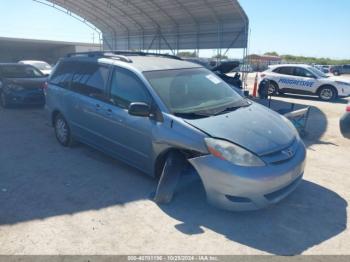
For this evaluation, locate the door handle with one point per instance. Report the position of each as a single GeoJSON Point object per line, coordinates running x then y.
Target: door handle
{"type": "Point", "coordinates": [109, 112]}
{"type": "Point", "coordinates": [98, 106]}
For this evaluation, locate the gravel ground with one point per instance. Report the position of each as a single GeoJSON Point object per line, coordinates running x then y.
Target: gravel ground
{"type": "Point", "coordinates": [78, 201]}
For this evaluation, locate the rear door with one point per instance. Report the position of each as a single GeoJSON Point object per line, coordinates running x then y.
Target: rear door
{"type": "Point", "coordinates": [346, 69]}
{"type": "Point", "coordinates": [284, 77]}
{"type": "Point", "coordinates": [88, 102]}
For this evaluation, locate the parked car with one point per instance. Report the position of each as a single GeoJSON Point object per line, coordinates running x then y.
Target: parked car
{"type": "Point", "coordinates": [21, 85]}
{"type": "Point", "coordinates": [245, 68]}
{"type": "Point", "coordinates": [345, 123]}
{"type": "Point", "coordinates": [305, 80]}
{"type": "Point", "coordinates": [340, 70]}
{"type": "Point", "coordinates": [159, 113]}
{"type": "Point", "coordinates": [44, 67]}
{"type": "Point", "coordinates": [323, 68]}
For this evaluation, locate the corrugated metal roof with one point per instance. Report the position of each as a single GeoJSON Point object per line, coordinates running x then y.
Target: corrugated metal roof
{"type": "Point", "coordinates": [164, 24]}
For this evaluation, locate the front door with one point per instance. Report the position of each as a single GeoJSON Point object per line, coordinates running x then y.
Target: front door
{"type": "Point", "coordinates": [131, 135]}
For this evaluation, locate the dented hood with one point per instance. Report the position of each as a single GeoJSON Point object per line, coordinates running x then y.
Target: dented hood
{"type": "Point", "coordinates": [256, 128]}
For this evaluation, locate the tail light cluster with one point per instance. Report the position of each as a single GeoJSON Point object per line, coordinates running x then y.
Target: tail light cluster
{"type": "Point", "coordinates": [348, 108]}
{"type": "Point", "coordinates": [45, 86]}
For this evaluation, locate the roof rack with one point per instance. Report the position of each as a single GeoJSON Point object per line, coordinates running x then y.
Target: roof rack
{"type": "Point", "coordinates": [120, 55]}
{"type": "Point", "coordinates": [105, 54]}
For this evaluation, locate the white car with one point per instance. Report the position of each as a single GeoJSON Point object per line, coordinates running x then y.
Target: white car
{"type": "Point", "coordinates": [44, 67]}
{"type": "Point", "coordinates": [306, 80]}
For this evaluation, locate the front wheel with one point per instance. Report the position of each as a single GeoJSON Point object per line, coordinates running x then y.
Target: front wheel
{"type": "Point", "coordinates": [327, 93]}
{"type": "Point", "coordinates": [62, 131]}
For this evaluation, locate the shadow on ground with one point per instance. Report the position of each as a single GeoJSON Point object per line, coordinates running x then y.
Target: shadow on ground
{"type": "Point", "coordinates": [316, 124]}
{"type": "Point", "coordinates": [310, 216]}
{"type": "Point", "coordinates": [39, 179]}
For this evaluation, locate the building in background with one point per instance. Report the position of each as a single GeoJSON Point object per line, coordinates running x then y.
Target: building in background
{"type": "Point", "coordinates": [16, 49]}
{"type": "Point", "coordinates": [261, 62]}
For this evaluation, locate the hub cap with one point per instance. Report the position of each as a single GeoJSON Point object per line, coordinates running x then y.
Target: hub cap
{"type": "Point", "coordinates": [61, 130]}
{"type": "Point", "coordinates": [271, 89]}
{"type": "Point", "coordinates": [326, 94]}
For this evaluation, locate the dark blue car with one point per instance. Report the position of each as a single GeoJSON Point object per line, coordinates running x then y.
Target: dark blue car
{"type": "Point", "coordinates": [21, 85]}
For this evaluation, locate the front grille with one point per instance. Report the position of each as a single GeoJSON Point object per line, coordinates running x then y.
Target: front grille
{"type": "Point", "coordinates": [283, 155]}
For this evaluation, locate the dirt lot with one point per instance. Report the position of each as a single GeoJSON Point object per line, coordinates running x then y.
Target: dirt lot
{"type": "Point", "coordinates": [78, 201]}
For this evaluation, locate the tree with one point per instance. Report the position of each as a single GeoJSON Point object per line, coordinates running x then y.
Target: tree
{"type": "Point", "coordinates": [272, 53]}
{"type": "Point", "coordinates": [187, 54]}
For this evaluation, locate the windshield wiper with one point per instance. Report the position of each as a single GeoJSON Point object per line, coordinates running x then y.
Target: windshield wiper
{"type": "Point", "coordinates": [191, 115]}
{"type": "Point", "coordinates": [232, 108]}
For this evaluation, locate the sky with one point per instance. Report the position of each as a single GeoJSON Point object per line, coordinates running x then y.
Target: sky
{"type": "Point", "coordinates": [318, 28]}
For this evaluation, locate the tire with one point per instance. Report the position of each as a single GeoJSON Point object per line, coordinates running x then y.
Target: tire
{"type": "Point", "coordinates": [62, 131]}
{"type": "Point", "coordinates": [336, 73]}
{"type": "Point", "coordinates": [3, 100]}
{"type": "Point", "coordinates": [273, 89]}
{"type": "Point", "coordinates": [327, 93]}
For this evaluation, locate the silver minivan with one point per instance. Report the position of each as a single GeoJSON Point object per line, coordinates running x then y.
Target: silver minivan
{"type": "Point", "coordinates": [161, 114]}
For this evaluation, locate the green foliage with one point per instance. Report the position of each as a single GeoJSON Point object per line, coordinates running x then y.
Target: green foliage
{"type": "Point", "coordinates": [271, 53]}
{"type": "Point", "coordinates": [314, 60]}
{"type": "Point", "coordinates": [218, 56]}
{"type": "Point", "coordinates": [187, 54]}
{"type": "Point", "coordinates": [309, 59]}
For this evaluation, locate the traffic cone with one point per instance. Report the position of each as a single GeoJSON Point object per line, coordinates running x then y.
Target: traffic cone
{"type": "Point", "coordinates": [255, 85]}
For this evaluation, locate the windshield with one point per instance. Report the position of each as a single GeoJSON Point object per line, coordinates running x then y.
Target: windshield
{"type": "Point", "coordinates": [19, 71]}
{"type": "Point", "coordinates": [317, 72]}
{"type": "Point", "coordinates": [193, 90]}
{"type": "Point", "coordinates": [42, 65]}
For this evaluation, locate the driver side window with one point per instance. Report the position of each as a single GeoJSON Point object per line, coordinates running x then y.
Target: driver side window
{"type": "Point", "coordinates": [127, 88]}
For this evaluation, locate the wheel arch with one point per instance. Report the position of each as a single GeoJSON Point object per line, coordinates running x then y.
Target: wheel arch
{"type": "Point", "coordinates": [54, 114]}
{"type": "Point", "coordinates": [161, 158]}
{"type": "Point", "coordinates": [327, 85]}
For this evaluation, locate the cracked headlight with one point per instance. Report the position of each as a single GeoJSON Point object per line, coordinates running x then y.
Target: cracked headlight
{"type": "Point", "coordinates": [232, 153]}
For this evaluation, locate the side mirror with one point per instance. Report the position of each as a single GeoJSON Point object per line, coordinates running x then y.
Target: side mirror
{"type": "Point", "coordinates": [139, 109]}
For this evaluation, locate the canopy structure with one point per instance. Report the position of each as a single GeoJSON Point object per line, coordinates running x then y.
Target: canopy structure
{"type": "Point", "coordinates": [164, 24]}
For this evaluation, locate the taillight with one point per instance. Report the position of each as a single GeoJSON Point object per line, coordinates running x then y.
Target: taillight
{"type": "Point", "coordinates": [348, 108]}
{"type": "Point", "coordinates": [45, 86]}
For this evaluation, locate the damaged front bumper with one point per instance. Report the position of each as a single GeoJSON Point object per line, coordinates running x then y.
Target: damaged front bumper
{"type": "Point", "coordinates": [249, 188]}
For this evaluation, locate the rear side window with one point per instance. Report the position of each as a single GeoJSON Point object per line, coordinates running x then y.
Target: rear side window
{"type": "Point", "coordinates": [127, 88]}
{"type": "Point", "coordinates": [90, 79]}
{"type": "Point", "coordinates": [284, 71]}
{"type": "Point", "coordinates": [62, 75]}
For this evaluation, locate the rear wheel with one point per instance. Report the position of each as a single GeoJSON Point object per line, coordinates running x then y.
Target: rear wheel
{"type": "Point", "coordinates": [273, 89]}
{"type": "Point", "coordinates": [3, 100]}
{"type": "Point", "coordinates": [327, 93]}
{"type": "Point", "coordinates": [62, 131]}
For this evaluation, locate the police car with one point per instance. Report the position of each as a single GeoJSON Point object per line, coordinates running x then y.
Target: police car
{"type": "Point", "coordinates": [305, 80]}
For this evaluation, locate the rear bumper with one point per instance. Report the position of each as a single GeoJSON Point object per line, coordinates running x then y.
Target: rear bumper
{"type": "Point", "coordinates": [239, 188]}
{"type": "Point", "coordinates": [345, 125]}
